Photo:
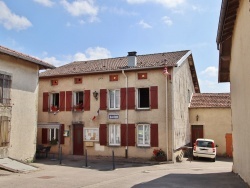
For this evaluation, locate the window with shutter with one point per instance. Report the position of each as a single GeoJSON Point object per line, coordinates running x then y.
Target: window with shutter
{"type": "Point", "coordinates": [103, 135]}
{"type": "Point", "coordinates": [62, 101]}
{"type": "Point", "coordinates": [143, 135]}
{"type": "Point", "coordinates": [123, 135]}
{"type": "Point", "coordinates": [131, 98]}
{"type": "Point", "coordinates": [131, 134]}
{"type": "Point", "coordinates": [114, 135]}
{"type": "Point", "coordinates": [103, 99]}
{"type": "Point", "coordinates": [114, 99]}
{"type": "Point", "coordinates": [154, 97]}
{"type": "Point", "coordinates": [78, 101]}
{"type": "Point", "coordinates": [154, 135]}
{"type": "Point", "coordinates": [123, 105]}
{"type": "Point", "coordinates": [86, 100]}
{"type": "Point", "coordinates": [143, 98]}
{"type": "Point", "coordinates": [54, 101]}
{"type": "Point", "coordinates": [62, 133]}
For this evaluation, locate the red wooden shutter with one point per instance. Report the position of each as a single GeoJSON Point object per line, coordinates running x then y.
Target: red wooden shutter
{"type": "Point", "coordinates": [86, 100]}
{"type": "Point", "coordinates": [154, 97]}
{"type": "Point", "coordinates": [62, 101]}
{"type": "Point", "coordinates": [103, 99]}
{"type": "Point", "coordinates": [68, 100]}
{"type": "Point", "coordinates": [123, 135]}
{"type": "Point", "coordinates": [44, 136]}
{"type": "Point", "coordinates": [154, 135]}
{"type": "Point", "coordinates": [131, 98]}
{"type": "Point", "coordinates": [45, 102]}
{"type": "Point", "coordinates": [61, 136]}
{"type": "Point", "coordinates": [123, 99]}
{"type": "Point", "coordinates": [103, 134]}
{"type": "Point", "coordinates": [131, 134]}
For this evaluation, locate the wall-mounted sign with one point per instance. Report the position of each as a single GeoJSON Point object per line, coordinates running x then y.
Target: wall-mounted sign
{"type": "Point", "coordinates": [91, 134]}
{"type": "Point", "coordinates": [113, 116]}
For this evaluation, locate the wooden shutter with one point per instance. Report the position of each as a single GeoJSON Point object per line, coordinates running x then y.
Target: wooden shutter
{"type": "Point", "coordinates": [44, 136]}
{"type": "Point", "coordinates": [103, 99]}
{"type": "Point", "coordinates": [123, 135]}
{"type": "Point", "coordinates": [103, 134]}
{"type": "Point", "coordinates": [62, 101]}
{"type": "Point", "coordinates": [154, 97]}
{"type": "Point", "coordinates": [45, 102]}
{"type": "Point", "coordinates": [131, 134]}
{"type": "Point", "coordinates": [61, 136]}
{"type": "Point", "coordinates": [131, 98]}
{"type": "Point", "coordinates": [86, 100]}
{"type": "Point", "coordinates": [123, 99]}
{"type": "Point", "coordinates": [154, 135]}
{"type": "Point", "coordinates": [68, 100]}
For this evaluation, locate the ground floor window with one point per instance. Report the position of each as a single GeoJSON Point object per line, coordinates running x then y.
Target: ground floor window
{"type": "Point", "coordinates": [53, 135]}
{"type": "Point", "coordinates": [114, 135]}
{"type": "Point", "coordinates": [143, 135]}
{"type": "Point", "coordinates": [4, 131]}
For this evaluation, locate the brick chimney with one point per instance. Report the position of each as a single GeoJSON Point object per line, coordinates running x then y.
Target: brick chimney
{"type": "Point", "coordinates": [132, 59]}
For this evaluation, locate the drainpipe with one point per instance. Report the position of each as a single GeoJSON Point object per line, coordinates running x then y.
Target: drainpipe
{"type": "Point", "coordinates": [167, 129]}
{"type": "Point", "coordinates": [126, 114]}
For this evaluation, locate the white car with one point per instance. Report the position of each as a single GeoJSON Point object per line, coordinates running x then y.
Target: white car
{"type": "Point", "coordinates": [204, 148]}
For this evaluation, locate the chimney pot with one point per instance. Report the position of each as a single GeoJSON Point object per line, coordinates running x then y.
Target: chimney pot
{"type": "Point", "coordinates": [132, 59]}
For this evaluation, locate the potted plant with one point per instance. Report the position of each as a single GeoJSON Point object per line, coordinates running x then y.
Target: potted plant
{"type": "Point", "coordinates": [53, 108]}
{"type": "Point", "coordinates": [78, 107]}
{"type": "Point", "coordinates": [159, 155]}
{"type": "Point", "coordinates": [53, 141]}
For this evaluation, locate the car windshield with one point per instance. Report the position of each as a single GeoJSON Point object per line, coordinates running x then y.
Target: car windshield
{"type": "Point", "coordinates": [206, 144]}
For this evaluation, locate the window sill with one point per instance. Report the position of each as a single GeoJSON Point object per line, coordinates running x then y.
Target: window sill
{"type": "Point", "coordinates": [143, 146]}
{"type": "Point", "coordinates": [114, 145]}
{"type": "Point", "coordinates": [142, 109]}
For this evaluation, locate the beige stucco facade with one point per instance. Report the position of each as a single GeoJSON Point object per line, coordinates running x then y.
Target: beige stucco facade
{"type": "Point", "coordinates": [240, 91]}
{"type": "Point", "coordinates": [165, 115]}
{"type": "Point", "coordinates": [22, 112]}
{"type": "Point", "coordinates": [216, 124]}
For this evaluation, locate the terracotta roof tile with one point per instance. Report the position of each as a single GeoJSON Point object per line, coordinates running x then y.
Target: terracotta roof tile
{"type": "Point", "coordinates": [113, 64]}
{"type": "Point", "coordinates": [39, 62]}
{"type": "Point", "coordinates": [210, 100]}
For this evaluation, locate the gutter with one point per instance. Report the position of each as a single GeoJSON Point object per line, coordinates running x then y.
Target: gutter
{"type": "Point", "coordinates": [126, 114]}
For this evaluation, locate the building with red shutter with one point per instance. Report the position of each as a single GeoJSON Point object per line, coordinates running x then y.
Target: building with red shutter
{"type": "Point", "coordinates": [130, 105]}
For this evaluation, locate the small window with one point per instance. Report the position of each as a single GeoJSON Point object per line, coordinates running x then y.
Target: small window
{"type": "Point", "coordinates": [143, 98]}
{"type": "Point", "coordinates": [113, 77]}
{"type": "Point", "coordinates": [4, 131]}
{"type": "Point", "coordinates": [53, 135]}
{"type": "Point", "coordinates": [114, 135]}
{"type": "Point", "coordinates": [142, 76]}
{"type": "Point", "coordinates": [78, 80]}
{"type": "Point", "coordinates": [143, 135]}
{"type": "Point", "coordinates": [5, 85]}
{"type": "Point", "coordinates": [78, 101]}
{"type": "Point", "coordinates": [54, 102]}
{"type": "Point", "coordinates": [54, 82]}
{"type": "Point", "coordinates": [114, 99]}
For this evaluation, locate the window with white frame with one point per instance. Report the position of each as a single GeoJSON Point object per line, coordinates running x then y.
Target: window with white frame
{"type": "Point", "coordinates": [5, 84]}
{"type": "Point", "coordinates": [114, 99]}
{"type": "Point", "coordinates": [143, 135]}
{"type": "Point", "coordinates": [143, 98]}
{"type": "Point", "coordinates": [114, 135]}
{"type": "Point", "coordinates": [54, 101]}
{"type": "Point", "coordinates": [53, 134]}
{"type": "Point", "coordinates": [78, 100]}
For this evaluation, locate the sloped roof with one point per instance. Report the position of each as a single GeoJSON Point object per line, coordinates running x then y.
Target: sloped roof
{"type": "Point", "coordinates": [210, 100]}
{"type": "Point", "coordinates": [42, 64]}
{"type": "Point", "coordinates": [116, 64]}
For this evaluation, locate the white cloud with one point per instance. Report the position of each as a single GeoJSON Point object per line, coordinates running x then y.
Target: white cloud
{"type": "Point", "coordinates": [197, 8]}
{"type": "Point", "coordinates": [80, 7]}
{"type": "Point", "coordinates": [167, 3]}
{"type": "Point", "coordinates": [144, 24]}
{"type": "Point", "coordinates": [47, 3]}
{"type": "Point", "coordinates": [210, 72]}
{"type": "Point", "coordinates": [90, 54]}
{"type": "Point", "coordinates": [12, 21]}
{"type": "Point", "coordinates": [167, 20]}
{"type": "Point", "coordinates": [212, 86]}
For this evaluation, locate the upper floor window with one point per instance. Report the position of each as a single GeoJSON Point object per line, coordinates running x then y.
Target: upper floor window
{"type": "Point", "coordinates": [143, 98]}
{"type": "Point", "coordinates": [54, 101]}
{"type": "Point", "coordinates": [143, 135]}
{"type": "Point", "coordinates": [114, 135]}
{"type": "Point", "coordinates": [5, 84]}
{"type": "Point", "coordinates": [114, 99]}
{"type": "Point", "coordinates": [78, 101]}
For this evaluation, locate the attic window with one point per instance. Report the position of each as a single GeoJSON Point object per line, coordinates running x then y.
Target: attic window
{"type": "Point", "coordinates": [113, 77]}
{"type": "Point", "coordinates": [142, 76]}
{"type": "Point", "coordinates": [54, 82]}
{"type": "Point", "coordinates": [78, 80]}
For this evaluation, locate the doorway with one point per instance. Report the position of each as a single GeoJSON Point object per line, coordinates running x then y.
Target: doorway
{"type": "Point", "coordinates": [197, 132]}
{"type": "Point", "coordinates": [229, 145]}
{"type": "Point", "coordinates": [77, 139]}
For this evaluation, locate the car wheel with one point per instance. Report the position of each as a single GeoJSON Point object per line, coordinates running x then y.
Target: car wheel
{"type": "Point", "coordinates": [213, 159]}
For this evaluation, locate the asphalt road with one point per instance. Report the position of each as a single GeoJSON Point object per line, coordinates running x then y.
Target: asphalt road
{"type": "Point", "coordinates": [73, 173]}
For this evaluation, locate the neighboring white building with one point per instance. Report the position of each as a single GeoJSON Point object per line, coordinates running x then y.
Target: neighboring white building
{"type": "Point", "coordinates": [19, 86]}
{"type": "Point", "coordinates": [233, 41]}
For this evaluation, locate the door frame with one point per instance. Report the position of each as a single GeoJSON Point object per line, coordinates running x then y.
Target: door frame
{"type": "Point", "coordinates": [76, 147]}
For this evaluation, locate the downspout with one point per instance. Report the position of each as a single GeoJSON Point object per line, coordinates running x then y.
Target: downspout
{"type": "Point", "coordinates": [126, 114]}
{"type": "Point", "coordinates": [167, 129]}
{"type": "Point", "coordinates": [173, 120]}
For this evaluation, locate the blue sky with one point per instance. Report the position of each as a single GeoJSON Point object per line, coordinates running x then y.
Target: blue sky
{"type": "Point", "coordinates": [62, 31]}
